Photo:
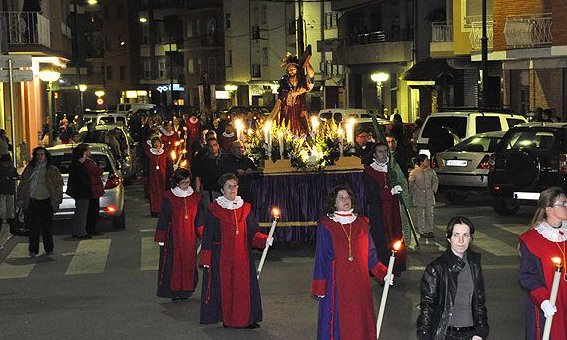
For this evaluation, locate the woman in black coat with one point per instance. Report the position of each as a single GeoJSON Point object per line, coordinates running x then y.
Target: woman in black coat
{"type": "Point", "coordinates": [79, 188]}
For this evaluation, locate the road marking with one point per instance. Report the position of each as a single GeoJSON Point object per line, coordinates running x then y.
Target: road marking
{"type": "Point", "coordinates": [150, 230]}
{"type": "Point", "coordinates": [490, 244]}
{"type": "Point", "coordinates": [149, 259]}
{"type": "Point", "coordinates": [90, 257]}
{"type": "Point", "coordinates": [17, 264]}
{"type": "Point", "coordinates": [517, 229]}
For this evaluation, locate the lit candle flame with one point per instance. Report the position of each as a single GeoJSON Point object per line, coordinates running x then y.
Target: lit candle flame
{"type": "Point", "coordinates": [396, 246]}
{"type": "Point", "coordinates": [268, 125]}
{"type": "Point", "coordinates": [556, 261]}
{"type": "Point", "coordinates": [173, 155]}
{"type": "Point", "coordinates": [184, 164]}
{"type": "Point", "coordinates": [276, 212]}
{"type": "Point", "coordinates": [185, 128]}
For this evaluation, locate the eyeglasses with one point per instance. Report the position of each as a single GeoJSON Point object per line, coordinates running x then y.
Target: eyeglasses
{"type": "Point", "coordinates": [230, 186]}
{"type": "Point", "coordinates": [560, 204]}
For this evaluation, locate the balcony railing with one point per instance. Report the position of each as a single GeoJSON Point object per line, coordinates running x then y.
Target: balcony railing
{"type": "Point", "coordinates": [475, 24]}
{"type": "Point", "coordinates": [363, 39]}
{"type": "Point", "coordinates": [27, 28]}
{"type": "Point", "coordinates": [441, 31]}
{"type": "Point", "coordinates": [524, 31]}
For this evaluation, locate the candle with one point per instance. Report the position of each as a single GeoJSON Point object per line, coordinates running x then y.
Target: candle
{"type": "Point", "coordinates": [349, 126]}
{"type": "Point", "coordinates": [396, 246]}
{"type": "Point", "coordinates": [553, 296]}
{"type": "Point", "coordinates": [314, 124]}
{"type": "Point", "coordinates": [268, 137]}
{"type": "Point", "coordinates": [239, 125]}
{"type": "Point", "coordinates": [276, 214]}
{"type": "Point", "coordinates": [281, 142]}
{"type": "Point", "coordinates": [341, 133]}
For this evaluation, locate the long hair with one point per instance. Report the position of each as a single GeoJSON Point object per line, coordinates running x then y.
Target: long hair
{"type": "Point", "coordinates": [546, 199]}
{"type": "Point", "coordinates": [332, 197]}
{"type": "Point", "coordinates": [458, 220]}
{"type": "Point", "coordinates": [33, 161]}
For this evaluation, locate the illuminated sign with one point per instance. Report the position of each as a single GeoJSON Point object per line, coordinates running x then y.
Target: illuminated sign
{"type": "Point", "coordinates": [164, 88]}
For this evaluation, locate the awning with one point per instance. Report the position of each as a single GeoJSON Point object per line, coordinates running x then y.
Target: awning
{"type": "Point", "coordinates": [429, 70]}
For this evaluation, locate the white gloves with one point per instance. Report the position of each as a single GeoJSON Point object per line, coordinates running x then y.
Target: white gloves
{"type": "Point", "coordinates": [548, 309]}
{"type": "Point", "coordinates": [396, 190]}
{"type": "Point", "coordinates": [476, 337]}
{"type": "Point", "coordinates": [321, 296]}
{"type": "Point", "coordinates": [269, 241]}
{"type": "Point", "coordinates": [161, 244]}
{"type": "Point", "coordinates": [389, 279]}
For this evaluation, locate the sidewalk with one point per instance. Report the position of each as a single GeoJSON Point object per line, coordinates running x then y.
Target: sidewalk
{"type": "Point", "coordinates": [4, 235]}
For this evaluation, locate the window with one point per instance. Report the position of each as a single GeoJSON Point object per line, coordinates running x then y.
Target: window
{"type": "Point", "coordinates": [228, 58]}
{"type": "Point", "coordinates": [190, 66]}
{"type": "Point", "coordinates": [485, 124]}
{"type": "Point", "coordinates": [211, 64]}
{"type": "Point", "coordinates": [513, 122]}
{"type": "Point", "coordinates": [331, 20]}
{"type": "Point", "coordinates": [532, 139]}
{"type": "Point", "coordinates": [147, 69]}
{"type": "Point", "coordinates": [160, 33]}
{"type": "Point", "coordinates": [256, 71]}
{"type": "Point", "coordinates": [145, 34]}
{"type": "Point", "coordinates": [162, 66]}
{"type": "Point", "coordinates": [227, 20]}
{"type": "Point", "coordinates": [109, 72]}
{"type": "Point", "coordinates": [265, 56]}
{"type": "Point", "coordinates": [198, 70]}
{"type": "Point", "coordinates": [458, 125]}
{"type": "Point", "coordinates": [122, 72]}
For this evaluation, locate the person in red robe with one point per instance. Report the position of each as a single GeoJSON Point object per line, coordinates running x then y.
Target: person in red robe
{"type": "Point", "coordinates": [226, 139]}
{"type": "Point", "coordinates": [230, 291]}
{"type": "Point", "coordinates": [545, 240]}
{"type": "Point", "coordinates": [193, 132]}
{"type": "Point", "coordinates": [157, 175]}
{"type": "Point", "coordinates": [344, 256]}
{"type": "Point", "coordinates": [168, 137]}
{"type": "Point", "coordinates": [384, 207]}
{"type": "Point", "coordinates": [179, 225]}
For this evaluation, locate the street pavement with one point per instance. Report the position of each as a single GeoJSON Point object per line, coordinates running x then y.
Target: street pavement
{"type": "Point", "coordinates": [104, 288]}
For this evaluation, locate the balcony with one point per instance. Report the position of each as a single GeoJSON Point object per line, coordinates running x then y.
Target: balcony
{"type": "Point", "coordinates": [527, 31]}
{"type": "Point", "coordinates": [27, 28]}
{"type": "Point", "coordinates": [441, 39]}
{"type": "Point", "coordinates": [474, 24]}
{"type": "Point", "coordinates": [366, 48]}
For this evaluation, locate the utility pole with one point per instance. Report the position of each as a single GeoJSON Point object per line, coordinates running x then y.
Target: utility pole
{"type": "Point", "coordinates": [484, 55]}
{"type": "Point", "coordinates": [300, 42]}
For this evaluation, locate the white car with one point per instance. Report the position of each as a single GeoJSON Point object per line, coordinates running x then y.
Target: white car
{"type": "Point", "coordinates": [112, 202]}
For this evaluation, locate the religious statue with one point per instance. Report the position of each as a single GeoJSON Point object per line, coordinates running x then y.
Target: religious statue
{"type": "Point", "coordinates": [291, 104]}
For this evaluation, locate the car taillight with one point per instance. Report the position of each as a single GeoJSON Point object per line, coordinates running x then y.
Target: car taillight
{"type": "Point", "coordinates": [112, 182]}
{"type": "Point", "coordinates": [111, 210]}
{"type": "Point", "coordinates": [484, 163]}
{"type": "Point", "coordinates": [563, 163]}
{"type": "Point", "coordinates": [492, 161]}
{"type": "Point", "coordinates": [433, 163]}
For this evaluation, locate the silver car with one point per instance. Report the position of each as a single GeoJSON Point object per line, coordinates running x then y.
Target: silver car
{"type": "Point", "coordinates": [112, 202]}
{"type": "Point", "coordinates": [463, 168]}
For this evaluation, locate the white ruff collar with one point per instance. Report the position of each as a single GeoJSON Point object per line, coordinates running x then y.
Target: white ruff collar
{"type": "Point", "coordinates": [149, 142]}
{"type": "Point", "coordinates": [230, 205]}
{"type": "Point", "coordinates": [553, 234]}
{"type": "Point", "coordinates": [156, 152]}
{"type": "Point", "coordinates": [168, 133]}
{"type": "Point", "coordinates": [228, 135]}
{"type": "Point", "coordinates": [177, 191]}
{"type": "Point", "coordinates": [382, 167]}
{"type": "Point", "coordinates": [343, 217]}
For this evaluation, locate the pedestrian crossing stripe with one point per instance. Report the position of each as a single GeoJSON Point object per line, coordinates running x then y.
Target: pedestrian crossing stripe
{"type": "Point", "coordinates": [90, 257]}
{"type": "Point", "coordinates": [18, 264]}
{"type": "Point", "coordinates": [149, 254]}
{"type": "Point", "coordinates": [517, 229]}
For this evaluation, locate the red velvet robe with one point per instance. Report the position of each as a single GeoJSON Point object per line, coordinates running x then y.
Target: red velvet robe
{"type": "Point", "coordinates": [385, 217]}
{"type": "Point", "coordinates": [347, 311]}
{"type": "Point", "coordinates": [169, 142]}
{"type": "Point", "coordinates": [230, 287]}
{"type": "Point", "coordinates": [536, 276]}
{"type": "Point", "coordinates": [157, 166]}
{"type": "Point", "coordinates": [179, 225]}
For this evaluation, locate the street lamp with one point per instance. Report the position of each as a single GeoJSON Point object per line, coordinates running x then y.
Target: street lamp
{"type": "Point", "coordinates": [379, 78]}
{"type": "Point", "coordinates": [82, 88]}
{"type": "Point", "coordinates": [49, 75]}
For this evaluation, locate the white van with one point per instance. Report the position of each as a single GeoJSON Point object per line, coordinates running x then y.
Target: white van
{"type": "Point", "coordinates": [126, 108]}
{"type": "Point", "coordinates": [442, 130]}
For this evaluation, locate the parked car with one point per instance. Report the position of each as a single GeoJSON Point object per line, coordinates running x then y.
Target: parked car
{"type": "Point", "coordinates": [111, 118]}
{"type": "Point", "coordinates": [463, 168]}
{"type": "Point", "coordinates": [127, 159]}
{"type": "Point", "coordinates": [126, 108]}
{"type": "Point", "coordinates": [530, 158]}
{"type": "Point", "coordinates": [112, 202]}
{"type": "Point", "coordinates": [440, 131]}
{"type": "Point", "coordinates": [361, 118]}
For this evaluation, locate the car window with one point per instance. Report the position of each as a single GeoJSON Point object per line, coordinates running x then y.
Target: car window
{"type": "Point", "coordinates": [458, 125]}
{"type": "Point", "coordinates": [473, 144]}
{"type": "Point", "coordinates": [63, 161]}
{"type": "Point", "coordinates": [121, 120]}
{"type": "Point", "coordinates": [514, 121]}
{"type": "Point", "coordinates": [487, 123]}
{"type": "Point", "coordinates": [531, 139]}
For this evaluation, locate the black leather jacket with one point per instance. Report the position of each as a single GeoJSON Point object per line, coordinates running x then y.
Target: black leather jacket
{"type": "Point", "coordinates": [438, 289]}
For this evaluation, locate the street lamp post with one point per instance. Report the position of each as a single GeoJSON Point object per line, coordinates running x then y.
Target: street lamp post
{"type": "Point", "coordinates": [50, 75]}
{"type": "Point", "coordinates": [379, 78]}
{"type": "Point", "coordinates": [82, 89]}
